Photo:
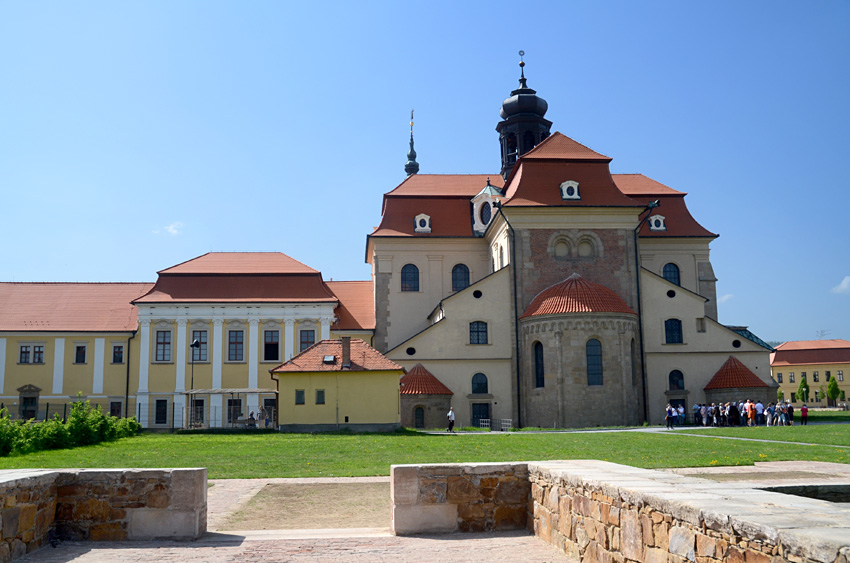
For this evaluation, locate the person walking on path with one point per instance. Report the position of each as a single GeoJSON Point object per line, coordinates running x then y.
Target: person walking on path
{"type": "Point", "coordinates": [451, 416]}
{"type": "Point", "coordinates": [804, 415]}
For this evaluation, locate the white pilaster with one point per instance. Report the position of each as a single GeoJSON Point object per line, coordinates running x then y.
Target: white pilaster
{"type": "Point", "coordinates": [2, 364]}
{"type": "Point", "coordinates": [97, 377]}
{"type": "Point", "coordinates": [289, 339]}
{"type": "Point", "coordinates": [253, 346]}
{"type": "Point", "coordinates": [180, 360]}
{"type": "Point", "coordinates": [326, 327]}
{"type": "Point", "coordinates": [217, 346]}
{"type": "Point", "coordinates": [58, 365]}
{"type": "Point", "coordinates": [144, 357]}
{"type": "Point", "coordinates": [142, 407]}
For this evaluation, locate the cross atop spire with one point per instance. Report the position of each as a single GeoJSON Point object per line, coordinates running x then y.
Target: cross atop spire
{"type": "Point", "coordinates": [412, 167]}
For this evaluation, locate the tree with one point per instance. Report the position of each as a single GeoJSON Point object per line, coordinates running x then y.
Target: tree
{"type": "Point", "coordinates": [832, 390]}
{"type": "Point", "coordinates": [803, 390]}
{"type": "Point", "coordinates": [780, 396]}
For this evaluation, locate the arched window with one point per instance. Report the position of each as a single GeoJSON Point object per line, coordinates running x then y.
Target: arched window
{"type": "Point", "coordinates": [460, 277]}
{"type": "Point", "coordinates": [539, 378]}
{"type": "Point", "coordinates": [479, 383]}
{"type": "Point", "coordinates": [677, 380]}
{"type": "Point", "coordinates": [671, 273]}
{"type": "Point", "coordinates": [673, 331]}
{"type": "Point", "coordinates": [419, 417]}
{"type": "Point", "coordinates": [594, 362]}
{"type": "Point", "coordinates": [410, 278]}
{"type": "Point", "coordinates": [478, 332]}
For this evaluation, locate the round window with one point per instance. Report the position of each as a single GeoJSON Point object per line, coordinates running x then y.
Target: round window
{"type": "Point", "coordinates": [477, 294]}
{"type": "Point", "coordinates": [423, 223]}
{"type": "Point", "coordinates": [736, 343]}
{"type": "Point", "coordinates": [671, 294]}
{"type": "Point", "coordinates": [486, 213]}
{"type": "Point", "coordinates": [571, 191]}
{"type": "Point", "coordinates": [411, 351]}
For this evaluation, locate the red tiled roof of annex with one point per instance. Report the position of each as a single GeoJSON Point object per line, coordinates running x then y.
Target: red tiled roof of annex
{"type": "Point", "coordinates": [83, 307]}
{"type": "Point", "coordinates": [420, 381]}
{"type": "Point", "coordinates": [557, 145]}
{"type": "Point", "coordinates": [734, 375]}
{"type": "Point", "coordinates": [356, 310]}
{"type": "Point", "coordinates": [363, 358]}
{"type": "Point", "coordinates": [576, 295]}
{"type": "Point", "coordinates": [241, 263]}
{"type": "Point", "coordinates": [808, 352]}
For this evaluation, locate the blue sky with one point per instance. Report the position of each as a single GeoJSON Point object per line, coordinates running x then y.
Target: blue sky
{"type": "Point", "coordinates": [137, 135]}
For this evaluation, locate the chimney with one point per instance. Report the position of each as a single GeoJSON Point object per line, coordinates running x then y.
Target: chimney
{"type": "Point", "coordinates": [346, 352]}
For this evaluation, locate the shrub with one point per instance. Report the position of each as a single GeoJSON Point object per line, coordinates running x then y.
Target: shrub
{"type": "Point", "coordinates": [9, 433]}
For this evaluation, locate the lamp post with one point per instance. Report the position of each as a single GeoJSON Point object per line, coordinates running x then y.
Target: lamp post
{"type": "Point", "coordinates": [195, 345]}
{"type": "Point", "coordinates": [649, 207]}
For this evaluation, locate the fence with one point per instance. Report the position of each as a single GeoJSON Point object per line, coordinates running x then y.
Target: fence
{"type": "Point", "coordinates": [503, 424]}
{"type": "Point", "coordinates": [47, 410]}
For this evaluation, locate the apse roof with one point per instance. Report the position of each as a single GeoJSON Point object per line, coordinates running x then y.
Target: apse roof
{"type": "Point", "coordinates": [734, 375]}
{"type": "Point", "coordinates": [576, 295]}
{"type": "Point", "coordinates": [72, 307]}
{"type": "Point", "coordinates": [420, 381]}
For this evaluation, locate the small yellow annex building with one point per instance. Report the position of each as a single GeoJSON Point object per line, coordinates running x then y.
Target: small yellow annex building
{"type": "Point", "coordinates": [816, 361]}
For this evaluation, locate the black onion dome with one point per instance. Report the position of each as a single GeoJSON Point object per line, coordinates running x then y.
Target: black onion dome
{"type": "Point", "coordinates": [523, 100]}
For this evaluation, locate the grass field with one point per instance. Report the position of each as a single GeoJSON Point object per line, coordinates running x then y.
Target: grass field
{"type": "Point", "coordinates": [253, 455]}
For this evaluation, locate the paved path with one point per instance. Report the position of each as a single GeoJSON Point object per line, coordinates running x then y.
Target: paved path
{"type": "Point", "coordinates": [351, 545]}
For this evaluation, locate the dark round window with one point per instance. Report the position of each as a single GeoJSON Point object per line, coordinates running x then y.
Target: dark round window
{"type": "Point", "coordinates": [736, 343]}
{"type": "Point", "coordinates": [571, 191]}
{"type": "Point", "coordinates": [671, 294]}
{"type": "Point", "coordinates": [486, 213]}
{"type": "Point", "coordinates": [477, 294]}
{"type": "Point", "coordinates": [410, 351]}
{"type": "Point", "coordinates": [423, 223]}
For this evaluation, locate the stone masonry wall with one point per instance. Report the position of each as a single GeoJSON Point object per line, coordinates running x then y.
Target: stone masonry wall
{"type": "Point", "coordinates": [99, 505]}
{"type": "Point", "coordinates": [473, 497]}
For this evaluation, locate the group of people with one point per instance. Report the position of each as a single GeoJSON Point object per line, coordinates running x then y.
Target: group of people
{"type": "Point", "coordinates": [739, 413]}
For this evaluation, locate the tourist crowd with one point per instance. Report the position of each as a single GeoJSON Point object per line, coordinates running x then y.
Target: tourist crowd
{"type": "Point", "coordinates": [742, 413]}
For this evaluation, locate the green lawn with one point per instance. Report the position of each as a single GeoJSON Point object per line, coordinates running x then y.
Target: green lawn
{"type": "Point", "coordinates": [831, 434]}
{"type": "Point", "coordinates": [816, 415]}
{"type": "Point", "coordinates": [305, 455]}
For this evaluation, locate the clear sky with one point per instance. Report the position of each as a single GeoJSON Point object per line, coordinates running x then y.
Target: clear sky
{"type": "Point", "coordinates": [137, 135]}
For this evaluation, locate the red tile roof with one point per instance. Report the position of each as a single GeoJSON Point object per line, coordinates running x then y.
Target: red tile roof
{"type": "Point", "coordinates": [356, 309]}
{"type": "Point", "coordinates": [435, 185]}
{"type": "Point", "coordinates": [808, 352]}
{"type": "Point", "coordinates": [638, 184]}
{"type": "Point", "coordinates": [241, 263]}
{"type": "Point", "coordinates": [363, 358]}
{"type": "Point", "coordinates": [239, 277]}
{"type": "Point", "coordinates": [734, 375]}
{"type": "Point", "coordinates": [420, 381]}
{"type": "Point", "coordinates": [77, 307]}
{"type": "Point", "coordinates": [559, 146]}
{"type": "Point", "coordinates": [576, 295]}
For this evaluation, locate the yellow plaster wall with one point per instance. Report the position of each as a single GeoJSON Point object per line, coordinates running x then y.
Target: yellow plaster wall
{"type": "Point", "coordinates": [790, 388]}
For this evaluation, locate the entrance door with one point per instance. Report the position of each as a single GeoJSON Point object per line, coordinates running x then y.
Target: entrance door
{"type": "Point", "coordinates": [479, 411]}
{"type": "Point", "coordinates": [419, 417]}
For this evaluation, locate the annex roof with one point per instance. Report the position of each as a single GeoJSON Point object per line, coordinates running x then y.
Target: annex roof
{"type": "Point", "coordinates": [576, 295]}
{"type": "Point", "coordinates": [239, 277]}
{"type": "Point", "coordinates": [559, 146]}
{"type": "Point", "coordinates": [71, 307]}
{"type": "Point", "coordinates": [420, 381]}
{"type": "Point", "coordinates": [638, 184]}
{"type": "Point", "coordinates": [734, 375]}
{"type": "Point", "coordinates": [240, 263]}
{"type": "Point", "coordinates": [356, 309]}
{"type": "Point", "coordinates": [808, 352]}
{"type": "Point", "coordinates": [363, 358]}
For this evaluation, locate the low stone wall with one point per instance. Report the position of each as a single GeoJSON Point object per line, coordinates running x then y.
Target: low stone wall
{"type": "Point", "coordinates": [98, 504]}
{"type": "Point", "coordinates": [473, 497]}
{"type": "Point", "coordinates": [597, 511]}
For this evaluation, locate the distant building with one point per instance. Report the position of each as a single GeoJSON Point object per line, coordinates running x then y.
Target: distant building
{"type": "Point", "coordinates": [817, 361]}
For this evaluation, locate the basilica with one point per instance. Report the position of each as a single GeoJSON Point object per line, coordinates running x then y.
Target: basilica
{"type": "Point", "coordinates": [547, 293]}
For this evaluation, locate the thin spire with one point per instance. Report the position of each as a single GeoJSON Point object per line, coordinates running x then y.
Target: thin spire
{"type": "Point", "coordinates": [412, 167]}
{"type": "Point", "coordinates": [522, 83]}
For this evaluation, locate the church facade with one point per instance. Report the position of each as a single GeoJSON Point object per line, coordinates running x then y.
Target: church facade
{"type": "Point", "coordinates": [553, 293]}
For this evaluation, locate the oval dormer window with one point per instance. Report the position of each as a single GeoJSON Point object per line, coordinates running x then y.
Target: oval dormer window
{"type": "Point", "coordinates": [486, 213]}
{"type": "Point", "coordinates": [569, 190]}
{"type": "Point", "coordinates": [422, 223]}
{"type": "Point", "coordinates": [656, 223]}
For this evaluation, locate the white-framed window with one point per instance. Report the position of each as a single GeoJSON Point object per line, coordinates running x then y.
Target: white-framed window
{"type": "Point", "coordinates": [306, 338]}
{"type": "Point", "coordinates": [779, 378]}
{"type": "Point", "coordinates": [118, 353]}
{"type": "Point", "coordinates": [80, 353]}
{"type": "Point", "coordinates": [271, 345]}
{"type": "Point", "coordinates": [163, 346]}
{"type": "Point", "coordinates": [840, 375]}
{"type": "Point", "coordinates": [235, 345]}
{"type": "Point", "coordinates": [569, 190]}
{"type": "Point", "coordinates": [199, 354]}
{"type": "Point", "coordinates": [31, 353]}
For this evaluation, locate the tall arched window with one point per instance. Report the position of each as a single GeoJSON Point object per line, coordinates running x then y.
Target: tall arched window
{"type": "Point", "coordinates": [594, 362]}
{"type": "Point", "coordinates": [460, 277]}
{"type": "Point", "coordinates": [538, 365]}
{"type": "Point", "coordinates": [671, 273]}
{"type": "Point", "coordinates": [673, 331]}
{"type": "Point", "coordinates": [677, 380]}
{"type": "Point", "coordinates": [410, 278]}
{"type": "Point", "coordinates": [479, 383]}
{"type": "Point", "coordinates": [478, 332]}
